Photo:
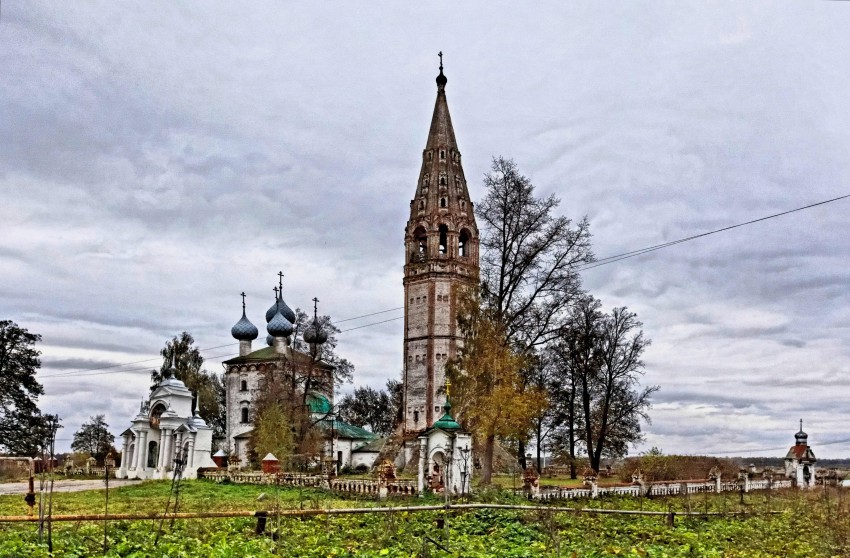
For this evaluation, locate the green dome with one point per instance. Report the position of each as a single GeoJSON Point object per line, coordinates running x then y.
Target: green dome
{"type": "Point", "coordinates": [446, 422]}
{"type": "Point", "coordinates": [318, 403]}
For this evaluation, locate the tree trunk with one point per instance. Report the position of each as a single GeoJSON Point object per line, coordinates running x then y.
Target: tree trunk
{"type": "Point", "coordinates": [539, 443]}
{"type": "Point", "coordinates": [487, 461]}
{"type": "Point", "coordinates": [521, 451]}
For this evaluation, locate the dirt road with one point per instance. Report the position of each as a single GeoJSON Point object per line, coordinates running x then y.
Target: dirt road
{"type": "Point", "coordinates": [64, 485]}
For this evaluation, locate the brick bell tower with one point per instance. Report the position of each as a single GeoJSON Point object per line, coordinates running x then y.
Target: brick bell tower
{"type": "Point", "coordinates": [441, 254]}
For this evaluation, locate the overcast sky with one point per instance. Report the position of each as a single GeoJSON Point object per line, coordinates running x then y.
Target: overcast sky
{"type": "Point", "coordinates": [158, 159]}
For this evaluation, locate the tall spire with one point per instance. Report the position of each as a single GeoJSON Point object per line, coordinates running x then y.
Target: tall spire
{"type": "Point", "coordinates": [442, 184]}
{"type": "Point", "coordinates": [441, 250]}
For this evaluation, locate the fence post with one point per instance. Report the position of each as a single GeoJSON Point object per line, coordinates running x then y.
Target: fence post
{"type": "Point", "coordinates": [262, 517]}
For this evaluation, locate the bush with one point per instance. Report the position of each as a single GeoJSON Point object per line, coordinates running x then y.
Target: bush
{"type": "Point", "coordinates": [676, 467]}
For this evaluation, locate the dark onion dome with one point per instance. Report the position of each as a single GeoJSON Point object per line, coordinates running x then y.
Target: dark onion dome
{"type": "Point", "coordinates": [279, 326]}
{"type": "Point", "coordinates": [801, 437]}
{"type": "Point", "coordinates": [441, 79]}
{"type": "Point", "coordinates": [269, 340]}
{"type": "Point", "coordinates": [244, 330]}
{"type": "Point", "coordinates": [279, 304]}
{"type": "Point", "coordinates": [314, 334]}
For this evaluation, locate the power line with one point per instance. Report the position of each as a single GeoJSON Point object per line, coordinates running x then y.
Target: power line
{"type": "Point", "coordinates": [102, 370]}
{"type": "Point", "coordinates": [598, 263]}
{"type": "Point", "coordinates": [109, 366]}
{"type": "Point", "coordinates": [633, 253]}
{"type": "Point", "coordinates": [741, 452]}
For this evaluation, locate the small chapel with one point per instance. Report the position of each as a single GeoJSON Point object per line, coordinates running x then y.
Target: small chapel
{"type": "Point", "coordinates": [167, 437]}
{"type": "Point", "coordinates": [800, 461]}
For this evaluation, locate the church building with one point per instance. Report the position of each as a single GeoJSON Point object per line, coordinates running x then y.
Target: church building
{"type": "Point", "coordinates": [246, 376]}
{"type": "Point", "coordinates": [441, 257]}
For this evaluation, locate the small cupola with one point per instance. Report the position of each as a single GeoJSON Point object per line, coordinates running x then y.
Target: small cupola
{"type": "Point", "coordinates": [315, 334]}
{"type": "Point", "coordinates": [447, 422]}
{"type": "Point", "coordinates": [244, 330]}
{"type": "Point", "coordinates": [801, 437]}
{"type": "Point", "coordinates": [279, 326]}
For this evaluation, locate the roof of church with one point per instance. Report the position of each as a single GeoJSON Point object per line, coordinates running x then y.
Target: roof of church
{"type": "Point", "coordinates": [345, 430]}
{"type": "Point", "coordinates": [318, 403]}
{"type": "Point", "coordinates": [441, 141]}
{"type": "Point", "coordinates": [374, 446]}
{"type": "Point", "coordinates": [268, 354]}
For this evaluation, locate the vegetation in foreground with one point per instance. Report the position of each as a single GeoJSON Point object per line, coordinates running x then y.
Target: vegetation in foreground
{"type": "Point", "coordinates": [814, 524]}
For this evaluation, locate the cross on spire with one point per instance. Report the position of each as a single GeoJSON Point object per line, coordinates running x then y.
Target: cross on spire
{"type": "Point", "coordinates": [280, 282]}
{"type": "Point", "coordinates": [440, 54]}
{"type": "Point", "coordinates": [275, 294]}
{"type": "Point", "coordinates": [801, 425]}
{"type": "Point", "coordinates": [315, 307]}
{"type": "Point", "coordinates": [448, 385]}
{"type": "Point", "coordinates": [243, 301]}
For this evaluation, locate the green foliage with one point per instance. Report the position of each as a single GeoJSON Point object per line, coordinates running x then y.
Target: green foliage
{"type": "Point", "coordinates": [811, 524]}
{"type": "Point", "coordinates": [94, 438]}
{"type": "Point", "coordinates": [657, 467]}
{"type": "Point", "coordinates": [273, 434]}
{"type": "Point", "coordinates": [188, 368]}
{"type": "Point", "coordinates": [374, 409]}
{"type": "Point", "coordinates": [21, 426]}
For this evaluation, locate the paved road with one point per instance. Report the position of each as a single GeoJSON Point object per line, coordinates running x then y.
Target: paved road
{"type": "Point", "coordinates": [64, 485]}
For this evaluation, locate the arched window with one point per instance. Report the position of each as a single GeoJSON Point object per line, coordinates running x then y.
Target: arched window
{"type": "Point", "coordinates": [415, 416]}
{"type": "Point", "coordinates": [243, 385]}
{"type": "Point", "coordinates": [444, 231]}
{"type": "Point", "coordinates": [244, 415]}
{"type": "Point", "coordinates": [420, 249]}
{"type": "Point", "coordinates": [442, 202]}
{"type": "Point", "coordinates": [153, 454]}
{"type": "Point", "coordinates": [463, 244]}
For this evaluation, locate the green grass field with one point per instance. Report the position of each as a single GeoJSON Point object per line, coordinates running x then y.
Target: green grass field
{"type": "Point", "coordinates": [813, 524]}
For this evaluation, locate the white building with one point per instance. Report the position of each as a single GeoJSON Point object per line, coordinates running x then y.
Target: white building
{"type": "Point", "coordinates": [165, 430]}
{"type": "Point", "coordinates": [800, 461]}
{"type": "Point", "coordinates": [247, 375]}
{"type": "Point", "coordinates": [445, 456]}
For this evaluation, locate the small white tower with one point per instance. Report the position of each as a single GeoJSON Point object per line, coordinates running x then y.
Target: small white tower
{"type": "Point", "coordinates": [800, 461]}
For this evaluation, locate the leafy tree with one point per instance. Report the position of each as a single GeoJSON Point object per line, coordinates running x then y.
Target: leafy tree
{"type": "Point", "coordinates": [530, 262]}
{"type": "Point", "coordinates": [273, 434]}
{"type": "Point", "coordinates": [21, 424]}
{"type": "Point", "coordinates": [371, 408]}
{"type": "Point", "coordinates": [94, 438]}
{"type": "Point", "coordinates": [599, 365]}
{"type": "Point", "coordinates": [486, 382]}
{"type": "Point", "coordinates": [207, 386]}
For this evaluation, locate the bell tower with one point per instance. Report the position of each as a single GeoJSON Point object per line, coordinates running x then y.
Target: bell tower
{"type": "Point", "coordinates": [441, 255]}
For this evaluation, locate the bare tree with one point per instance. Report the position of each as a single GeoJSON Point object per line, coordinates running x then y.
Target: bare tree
{"type": "Point", "coordinates": [602, 404]}
{"type": "Point", "coordinates": [531, 257]}
{"type": "Point", "coordinates": [530, 262]}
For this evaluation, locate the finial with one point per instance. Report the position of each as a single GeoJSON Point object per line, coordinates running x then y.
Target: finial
{"type": "Point", "coordinates": [801, 425]}
{"type": "Point", "coordinates": [280, 282]}
{"type": "Point", "coordinates": [441, 79]}
{"type": "Point", "coordinates": [448, 385]}
{"type": "Point", "coordinates": [243, 302]}
{"type": "Point", "coordinates": [275, 294]}
{"type": "Point", "coordinates": [315, 308]}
